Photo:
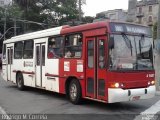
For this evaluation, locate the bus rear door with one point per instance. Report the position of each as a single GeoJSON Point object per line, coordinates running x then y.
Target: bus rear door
{"type": "Point", "coordinates": [96, 68]}
{"type": "Point", "coordinates": [40, 64]}
{"type": "Point", "coordinates": [9, 61]}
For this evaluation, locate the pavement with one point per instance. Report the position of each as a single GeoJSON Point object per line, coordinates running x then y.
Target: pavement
{"type": "Point", "coordinates": [157, 93]}
{"type": "Point", "coordinates": [56, 107]}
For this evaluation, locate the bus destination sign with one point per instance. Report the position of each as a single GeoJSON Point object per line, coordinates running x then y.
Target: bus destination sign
{"type": "Point", "coordinates": [130, 28]}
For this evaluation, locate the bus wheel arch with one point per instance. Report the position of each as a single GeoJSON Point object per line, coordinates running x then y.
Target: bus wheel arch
{"type": "Point", "coordinates": [20, 80]}
{"type": "Point", "coordinates": [73, 82]}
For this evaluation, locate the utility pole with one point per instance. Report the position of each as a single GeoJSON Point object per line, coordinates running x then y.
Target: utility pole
{"type": "Point", "coordinates": [15, 27]}
{"type": "Point", "coordinates": [158, 26]}
{"type": "Point", "coordinates": [80, 10]}
{"type": "Point", "coordinates": [5, 12]}
{"type": "Point", "coordinates": [157, 54]}
{"type": "Point", "coordinates": [7, 31]}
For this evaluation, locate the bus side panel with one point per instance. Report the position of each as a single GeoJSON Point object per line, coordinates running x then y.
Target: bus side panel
{"type": "Point", "coordinates": [4, 70]}
{"type": "Point", "coordinates": [4, 64]}
{"type": "Point", "coordinates": [17, 66]}
{"type": "Point", "coordinates": [52, 75]}
{"type": "Point", "coordinates": [28, 72]}
{"type": "Point", "coordinates": [71, 68]}
{"type": "Point", "coordinates": [62, 79]}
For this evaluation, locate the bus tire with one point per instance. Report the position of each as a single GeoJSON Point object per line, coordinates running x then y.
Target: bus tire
{"type": "Point", "coordinates": [75, 92]}
{"type": "Point", "coordinates": [20, 81]}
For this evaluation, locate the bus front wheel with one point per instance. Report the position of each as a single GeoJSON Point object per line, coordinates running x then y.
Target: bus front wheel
{"type": "Point", "coordinates": [75, 93]}
{"type": "Point", "coordinates": [20, 81]}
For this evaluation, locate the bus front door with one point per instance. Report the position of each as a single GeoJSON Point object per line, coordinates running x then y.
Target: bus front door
{"type": "Point", "coordinates": [9, 63]}
{"type": "Point", "coordinates": [40, 64]}
{"type": "Point", "coordinates": [96, 68]}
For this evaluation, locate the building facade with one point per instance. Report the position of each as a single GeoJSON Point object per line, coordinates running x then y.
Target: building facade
{"type": "Point", "coordinates": [113, 15]}
{"type": "Point", "coordinates": [5, 2]}
{"type": "Point", "coordinates": [143, 12]}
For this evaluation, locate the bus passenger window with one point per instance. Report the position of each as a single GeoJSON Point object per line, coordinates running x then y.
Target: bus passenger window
{"type": "Point", "coordinates": [73, 46]}
{"type": "Point", "coordinates": [43, 55]}
{"type": "Point", "coordinates": [18, 50]}
{"type": "Point", "coordinates": [4, 51]}
{"type": "Point", "coordinates": [101, 58]}
{"type": "Point", "coordinates": [37, 55]}
{"type": "Point", "coordinates": [90, 51]}
{"type": "Point", "coordinates": [68, 54]}
{"type": "Point", "coordinates": [55, 47]}
{"type": "Point", "coordinates": [11, 50]}
{"type": "Point", "coordinates": [28, 49]}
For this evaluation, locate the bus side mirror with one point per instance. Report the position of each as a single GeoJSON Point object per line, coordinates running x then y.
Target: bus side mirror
{"type": "Point", "coordinates": [111, 43]}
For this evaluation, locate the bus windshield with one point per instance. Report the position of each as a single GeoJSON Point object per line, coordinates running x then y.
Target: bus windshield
{"type": "Point", "coordinates": [129, 52]}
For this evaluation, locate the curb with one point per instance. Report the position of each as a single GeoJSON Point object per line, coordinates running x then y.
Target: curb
{"type": "Point", "coordinates": [2, 111]}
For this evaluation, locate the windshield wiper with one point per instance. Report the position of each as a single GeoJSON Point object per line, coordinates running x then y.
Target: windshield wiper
{"type": "Point", "coordinates": [127, 41]}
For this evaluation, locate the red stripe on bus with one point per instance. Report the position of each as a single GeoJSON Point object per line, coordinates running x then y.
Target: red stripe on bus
{"type": "Point", "coordinates": [24, 72]}
{"type": "Point", "coordinates": [14, 71]}
{"type": "Point", "coordinates": [51, 75]}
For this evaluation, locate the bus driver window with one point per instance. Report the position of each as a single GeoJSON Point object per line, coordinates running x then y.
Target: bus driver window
{"type": "Point", "coordinates": [51, 51]}
{"type": "Point", "coordinates": [68, 54]}
{"type": "Point", "coordinates": [73, 46]}
{"type": "Point", "coordinates": [55, 47]}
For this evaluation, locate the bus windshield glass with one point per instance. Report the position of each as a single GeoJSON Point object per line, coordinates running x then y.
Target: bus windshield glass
{"type": "Point", "coordinates": [130, 52]}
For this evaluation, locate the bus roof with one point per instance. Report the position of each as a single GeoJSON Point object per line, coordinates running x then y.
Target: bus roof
{"type": "Point", "coordinates": [110, 26]}
{"type": "Point", "coordinates": [38, 34]}
{"type": "Point", "coordinates": [85, 27]}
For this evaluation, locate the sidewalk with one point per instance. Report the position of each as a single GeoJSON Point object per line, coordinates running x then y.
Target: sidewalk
{"type": "Point", "coordinates": [157, 93]}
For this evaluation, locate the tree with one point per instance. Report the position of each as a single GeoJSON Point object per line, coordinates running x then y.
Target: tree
{"type": "Point", "coordinates": [9, 13]}
{"type": "Point", "coordinates": [50, 12]}
{"type": "Point", "coordinates": [155, 31]}
{"type": "Point", "coordinates": [88, 19]}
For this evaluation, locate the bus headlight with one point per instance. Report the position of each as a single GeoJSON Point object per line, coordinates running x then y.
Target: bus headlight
{"type": "Point", "coordinates": [116, 85]}
{"type": "Point", "coordinates": [152, 82]}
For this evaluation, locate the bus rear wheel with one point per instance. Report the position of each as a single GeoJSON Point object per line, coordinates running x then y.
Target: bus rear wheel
{"type": "Point", "coordinates": [75, 94]}
{"type": "Point", "coordinates": [20, 81]}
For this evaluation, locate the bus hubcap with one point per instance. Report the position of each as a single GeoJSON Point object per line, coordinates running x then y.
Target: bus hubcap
{"type": "Point", "coordinates": [19, 81]}
{"type": "Point", "coordinates": [73, 91]}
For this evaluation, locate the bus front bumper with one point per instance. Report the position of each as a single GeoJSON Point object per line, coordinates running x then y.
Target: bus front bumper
{"type": "Point", "coordinates": [120, 95]}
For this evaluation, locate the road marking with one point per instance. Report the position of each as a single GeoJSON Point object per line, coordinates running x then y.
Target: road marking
{"type": "Point", "coordinates": [3, 112]}
{"type": "Point", "coordinates": [150, 113]}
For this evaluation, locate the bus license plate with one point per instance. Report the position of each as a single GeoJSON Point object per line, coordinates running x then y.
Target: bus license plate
{"type": "Point", "coordinates": [135, 98]}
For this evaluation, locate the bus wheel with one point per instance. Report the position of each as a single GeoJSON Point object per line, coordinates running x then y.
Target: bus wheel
{"type": "Point", "coordinates": [75, 93]}
{"type": "Point", "coordinates": [20, 81]}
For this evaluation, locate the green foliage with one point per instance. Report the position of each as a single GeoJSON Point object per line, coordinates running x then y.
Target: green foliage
{"type": "Point", "coordinates": [50, 12]}
{"type": "Point", "coordinates": [14, 11]}
{"type": "Point", "coordinates": [10, 13]}
{"type": "Point", "coordinates": [88, 19]}
{"type": "Point", "coordinates": [155, 31]}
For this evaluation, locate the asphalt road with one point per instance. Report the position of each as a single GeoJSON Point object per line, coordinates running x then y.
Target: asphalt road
{"type": "Point", "coordinates": [56, 106]}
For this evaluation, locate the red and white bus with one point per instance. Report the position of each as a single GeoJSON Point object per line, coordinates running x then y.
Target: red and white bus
{"type": "Point", "coordinates": [103, 61]}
